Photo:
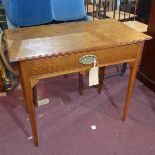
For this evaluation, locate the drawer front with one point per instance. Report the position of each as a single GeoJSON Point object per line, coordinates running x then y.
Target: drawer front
{"type": "Point", "coordinates": [70, 63]}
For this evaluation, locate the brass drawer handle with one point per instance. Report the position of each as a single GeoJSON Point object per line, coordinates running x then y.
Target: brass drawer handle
{"type": "Point", "coordinates": [87, 59]}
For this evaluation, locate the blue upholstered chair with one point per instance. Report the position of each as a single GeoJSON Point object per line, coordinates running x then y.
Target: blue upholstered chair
{"type": "Point", "coordinates": [28, 12]}
{"type": "Point", "coordinates": [34, 12]}
{"type": "Point", "coordinates": [68, 10]}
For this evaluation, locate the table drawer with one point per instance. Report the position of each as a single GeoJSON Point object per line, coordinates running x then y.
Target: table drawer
{"type": "Point", "coordinates": [70, 62]}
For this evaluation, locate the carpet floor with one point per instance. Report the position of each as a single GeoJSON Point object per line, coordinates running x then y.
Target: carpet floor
{"type": "Point", "coordinates": [80, 125]}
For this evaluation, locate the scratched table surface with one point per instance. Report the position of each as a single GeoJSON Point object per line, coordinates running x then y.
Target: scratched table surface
{"type": "Point", "coordinates": [58, 39]}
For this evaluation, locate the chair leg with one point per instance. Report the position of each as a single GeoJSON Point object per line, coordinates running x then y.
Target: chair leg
{"type": "Point", "coordinates": [80, 84]}
{"type": "Point", "coordinates": [100, 85]}
{"type": "Point", "coordinates": [101, 78]}
{"type": "Point", "coordinates": [35, 101]}
{"type": "Point", "coordinates": [66, 76]}
{"type": "Point", "coordinates": [123, 70]}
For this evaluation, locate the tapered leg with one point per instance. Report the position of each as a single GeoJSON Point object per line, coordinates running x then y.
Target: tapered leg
{"type": "Point", "coordinates": [133, 71]}
{"type": "Point", "coordinates": [22, 84]}
{"type": "Point", "coordinates": [80, 84]}
{"type": "Point", "coordinates": [29, 99]}
{"type": "Point", "coordinates": [101, 78]}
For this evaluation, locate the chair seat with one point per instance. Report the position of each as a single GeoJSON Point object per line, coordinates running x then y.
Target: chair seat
{"type": "Point", "coordinates": [122, 15]}
{"type": "Point", "coordinates": [136, 25]}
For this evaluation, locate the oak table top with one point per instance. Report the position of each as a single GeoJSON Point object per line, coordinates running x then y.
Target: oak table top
{"type": "Point", "coordinates": [52, 50]}
{"type": "Point", "coordinates": [60, 39]}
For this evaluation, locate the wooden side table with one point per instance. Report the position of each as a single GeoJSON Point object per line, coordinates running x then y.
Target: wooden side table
{"type": "Point", "coordinates": [52, 50]}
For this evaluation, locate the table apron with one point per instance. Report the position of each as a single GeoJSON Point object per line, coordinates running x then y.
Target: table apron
{"type": "Point", "coordinates": [64, 64]}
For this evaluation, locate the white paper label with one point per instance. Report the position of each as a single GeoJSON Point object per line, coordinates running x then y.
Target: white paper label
{"type": "Point", "coordinates": [93, 76]}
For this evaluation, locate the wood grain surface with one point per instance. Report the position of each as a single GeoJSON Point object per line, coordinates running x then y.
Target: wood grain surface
{"type": "Point", "coordinates": [59, 39]}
